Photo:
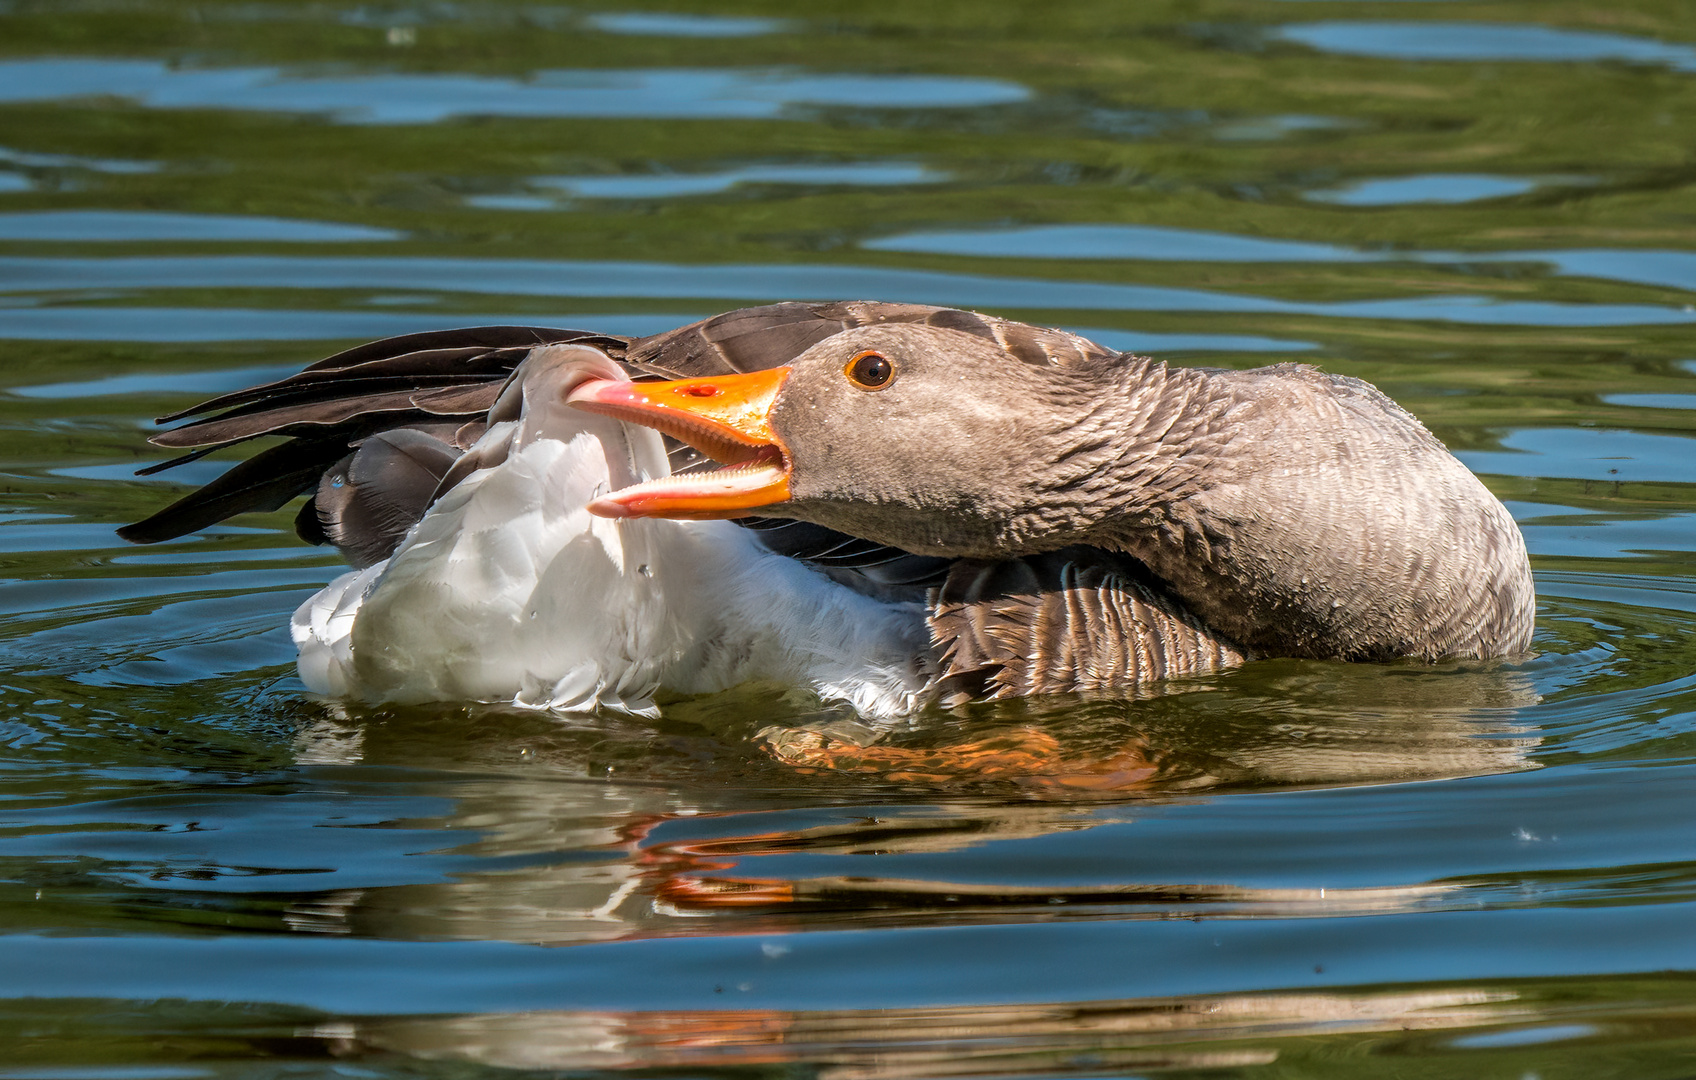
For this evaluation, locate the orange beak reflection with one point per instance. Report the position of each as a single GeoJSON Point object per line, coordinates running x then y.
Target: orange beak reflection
{"type": "Point", "coordinates": [726, 417]}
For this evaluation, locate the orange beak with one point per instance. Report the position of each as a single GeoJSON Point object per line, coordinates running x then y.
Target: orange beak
{"type": "Point", "coordinates": [726, 417]}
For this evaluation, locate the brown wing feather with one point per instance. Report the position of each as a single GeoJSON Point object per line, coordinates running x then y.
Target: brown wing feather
{"type": "Point", "coordinates": [1078, 619]}
{"type": "Point", "coordinates": [263, 482]}
{"type": "Point", "coordinates": [417, 369]}
{"type": "Point", "coordinates": [412, 381]}
{"type": "Point", "coordinates": [405, 364]}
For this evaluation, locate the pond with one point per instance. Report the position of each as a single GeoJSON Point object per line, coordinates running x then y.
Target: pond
{"type": "Point", "coordinates": [1313, 869]}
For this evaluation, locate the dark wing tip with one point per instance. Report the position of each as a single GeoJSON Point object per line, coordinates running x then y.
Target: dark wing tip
{"type": "Point", "coordinates": [408, 381]}
{"type": "Point", "coordinates": [144, 532]}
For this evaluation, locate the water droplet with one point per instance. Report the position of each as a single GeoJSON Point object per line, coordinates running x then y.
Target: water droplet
{"type": "Point", "coordinates": [644, 571]}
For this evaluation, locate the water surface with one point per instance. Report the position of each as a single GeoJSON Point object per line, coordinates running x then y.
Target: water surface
{"type": "Point", "coordinates": [1295, 868]}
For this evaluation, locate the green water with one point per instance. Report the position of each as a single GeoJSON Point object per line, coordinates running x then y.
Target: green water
{"type": "Point", "coordinates": [1304, 869]}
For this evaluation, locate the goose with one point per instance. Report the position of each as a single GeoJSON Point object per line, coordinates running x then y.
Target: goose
{"type": "Point", "coordinates": [886, 506]}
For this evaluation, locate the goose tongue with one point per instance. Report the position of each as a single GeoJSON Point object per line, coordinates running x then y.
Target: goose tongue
{"type": "Point", "coordinates": [725, 417]}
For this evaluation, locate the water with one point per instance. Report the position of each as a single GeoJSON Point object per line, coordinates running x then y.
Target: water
{"type": "Point", "coordinates": [1291, 869]}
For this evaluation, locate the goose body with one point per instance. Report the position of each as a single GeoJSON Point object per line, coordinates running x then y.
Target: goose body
{"type": "Point", "coordinates": [954, 507]}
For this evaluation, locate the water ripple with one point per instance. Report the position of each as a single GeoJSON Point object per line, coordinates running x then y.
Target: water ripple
{"type": "Point", "coordinates": [752, 283]}
{"type": "Point", "coordinates": [1483, 41]}
{"type": "Point", "coordinates": [1588, 454]}
{"type": "Point", "coordinates": [651, 93]}
{"type": "Point", "coordinates": [109, 226]}
{"type": "Point", "coordinates": [1426, 188]}
{"type": "Point", "coordinates": [674, 24]}
{"type": "Point", "coordinates": [167, 324]}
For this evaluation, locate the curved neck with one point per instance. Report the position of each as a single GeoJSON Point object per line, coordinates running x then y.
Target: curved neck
{"type": "Point", "coordinates": [1307, 514]}
{"type": "Point", "coordinates": [1125, 454]}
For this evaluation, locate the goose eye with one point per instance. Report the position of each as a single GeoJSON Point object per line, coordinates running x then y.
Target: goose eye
{"type": "Point", "coordinates": [870, 371]}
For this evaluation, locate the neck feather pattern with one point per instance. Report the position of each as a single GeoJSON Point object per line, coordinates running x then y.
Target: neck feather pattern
{"type": "Point", "coordinates": [1296, 512]}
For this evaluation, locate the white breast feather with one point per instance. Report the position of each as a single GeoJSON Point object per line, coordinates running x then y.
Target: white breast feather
{"type": "Point", "coordinates": [509, 590]}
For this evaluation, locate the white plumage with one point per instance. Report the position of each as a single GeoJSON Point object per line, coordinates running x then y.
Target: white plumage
{"type": "Point", "coordinates": [509, 590]}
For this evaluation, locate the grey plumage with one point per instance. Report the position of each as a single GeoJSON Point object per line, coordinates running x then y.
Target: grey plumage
{"type": "Point", "coordinates": [1078, 619]}
{"type": "Point", "coordinates": [366, 502]}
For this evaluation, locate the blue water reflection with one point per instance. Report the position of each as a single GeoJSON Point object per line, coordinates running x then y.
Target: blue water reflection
{"type": "Point", "coordinates": [1676, 269]}
{"type": "Point", "coordinates": [21, 534]}
{"type": "Point", "coordinates": [1492, 929]}
{"type": "Point", "coordinates": [143, 842]}
{"type": "Point", "coordinates": [674, 185]}
{"type": "Point", "coordinates": [1429, 188]}
{"type": "Point", "coordinates": [751, 283]}
{"type": "Point", "coordinates": [1530, 511]}
{"type": "Point", "coordinates": [115, 166]}
{"type": "Point", "coordinates": [167, 324]}
{"type": "Point", "coordinates": [1600, 536]}
{"type": "Point", "coordinates": [99, 226]}
{"type": "Point", "coordinates": [1652, 401]}
{"type": "Point", "coordinates": [1483, 41]}
{"type": "Point", "coordinates": [258, 324]}
{"type": "Point", "coordinates": [746, 94]}
{"type": "Point", "coordinates": [673, 24]}
{"type": "Point", "coordinates": [191, 383]}
{"type": "Point", "coordinates": [670, 185]}
{"type": "Point", "coordinates": [195, 472]}
{"type": "Point", "coordinates": [1269, 128]}
{"type": "Point", "coordinates": [1116, 242]}
{"type": "Point", "coordinates": [1588, 454]}
{"type": "Point", "coordinates": [1156, 243]}
{"type": "Point", "coordinates": [1524, 1036]}
{"type": "Point", "coordinates": [529, 203]}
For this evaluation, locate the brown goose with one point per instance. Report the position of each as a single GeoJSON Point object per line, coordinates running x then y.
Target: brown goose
{"type": "Point", "coordinates": [984, 508]}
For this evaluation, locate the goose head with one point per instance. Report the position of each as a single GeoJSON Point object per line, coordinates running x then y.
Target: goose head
{"type": "Point", "coordinates": [933, 440]}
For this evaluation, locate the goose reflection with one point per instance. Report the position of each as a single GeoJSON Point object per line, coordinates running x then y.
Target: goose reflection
{"type": "Point", "coordinates": [613, 829]}
{"type": "Point", "coordinates": [1228, 1031]}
